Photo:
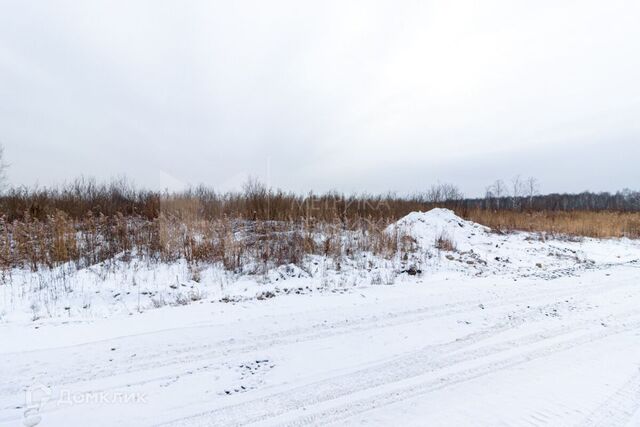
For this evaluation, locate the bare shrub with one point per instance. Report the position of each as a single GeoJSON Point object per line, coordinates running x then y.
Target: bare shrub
{"type": "Point", "coordinates": [444, 242]}
{"type": "Point", "coordinates": [158, 301]}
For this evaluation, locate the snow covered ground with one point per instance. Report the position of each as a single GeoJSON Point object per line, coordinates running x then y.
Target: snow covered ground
{"type": "Point", "coordinates": [506, 330]}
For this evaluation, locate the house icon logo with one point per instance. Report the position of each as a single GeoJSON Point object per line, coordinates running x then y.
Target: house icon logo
{"type": "Point", "coordinates": [36, 397]}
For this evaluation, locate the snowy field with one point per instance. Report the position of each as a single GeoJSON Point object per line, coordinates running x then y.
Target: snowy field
{"type": "Point", "coordinates": [513, 329]}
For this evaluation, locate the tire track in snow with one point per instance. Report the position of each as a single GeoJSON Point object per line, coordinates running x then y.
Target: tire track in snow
{"type": "Point", "coordinates": [345, 411]}
{"type": "Point", "coordinates": [97, 370]}
{"type": "Point", "coordinates": [410, 366]}
{"type": "Point", "coordinates": [459, 343]}
{"type": "Point", "coordinates": [619, 408]}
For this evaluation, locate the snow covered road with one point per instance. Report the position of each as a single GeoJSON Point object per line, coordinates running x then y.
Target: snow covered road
{"type": "Point", "coordinates": [445, 349]}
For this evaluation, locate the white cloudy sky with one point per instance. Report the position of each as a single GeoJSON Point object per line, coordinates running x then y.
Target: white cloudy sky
{"type": "Point", "coordinates": [347, 95]}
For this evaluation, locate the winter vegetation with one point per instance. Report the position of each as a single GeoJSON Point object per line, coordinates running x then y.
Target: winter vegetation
{"type": "Point", "coordinates": [87, 223]}
{"type": "Point", "coordinates": [53, 239]}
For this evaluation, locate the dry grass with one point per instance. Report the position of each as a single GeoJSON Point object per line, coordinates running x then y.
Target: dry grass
{"type": "Point", "coordinates": [86, 223]}
{"type": "Point", "coordinates": [575, 223]}
{"type": "Point", "coordinates": [182, 233]}
{"type": "Point", "coordinates": [234, 243]}
{"type": "Point", "coordinates": [444, 242]}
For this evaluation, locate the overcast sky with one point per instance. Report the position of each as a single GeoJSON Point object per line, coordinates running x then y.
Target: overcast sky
{"type": "Point", "coordinates": [347, 95]}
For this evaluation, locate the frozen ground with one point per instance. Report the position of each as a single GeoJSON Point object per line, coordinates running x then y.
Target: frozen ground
{"type": "Point", "coordinates": [506, 330]}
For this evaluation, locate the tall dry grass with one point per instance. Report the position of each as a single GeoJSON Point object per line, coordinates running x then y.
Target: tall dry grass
{"type": "Point", "coordinates": [86, 223]}
{"type": "Point", "coordinates": [574, 223]}
{"type": "Point", "coordinates": [235, 243]}
{"type": "Point", "coordinates": [238, 244]}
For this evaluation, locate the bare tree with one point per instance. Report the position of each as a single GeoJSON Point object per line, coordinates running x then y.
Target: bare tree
{"type": "Point", "coordinates": [532, 189]}
{"type": "Point", "coordinates": [517, 190]}
{"type": "Point", "coordinates": [499, 188]}
{"type": "Point", "coordinates": [517, 186]}
{"type": "Point", "coordinates": [3, 170]}
{"type": "Point", "coordinates": [443, 192]}
{"type": "Point", "coordinates": [496, 191]}
{"type": "Point", "coordinates": [257, 197]}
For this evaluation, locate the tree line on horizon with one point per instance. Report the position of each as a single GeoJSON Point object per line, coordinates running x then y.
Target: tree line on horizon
{"type": "Point", "coordinates": [85, 196]}
{"type": "Point", "coordinates": [256, 201]}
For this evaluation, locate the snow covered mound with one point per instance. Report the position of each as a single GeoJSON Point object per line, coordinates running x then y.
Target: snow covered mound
{"type": "Point", "coordinates": [427, 227]}
{"type": "Point", "coordinates": [475, 249]}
